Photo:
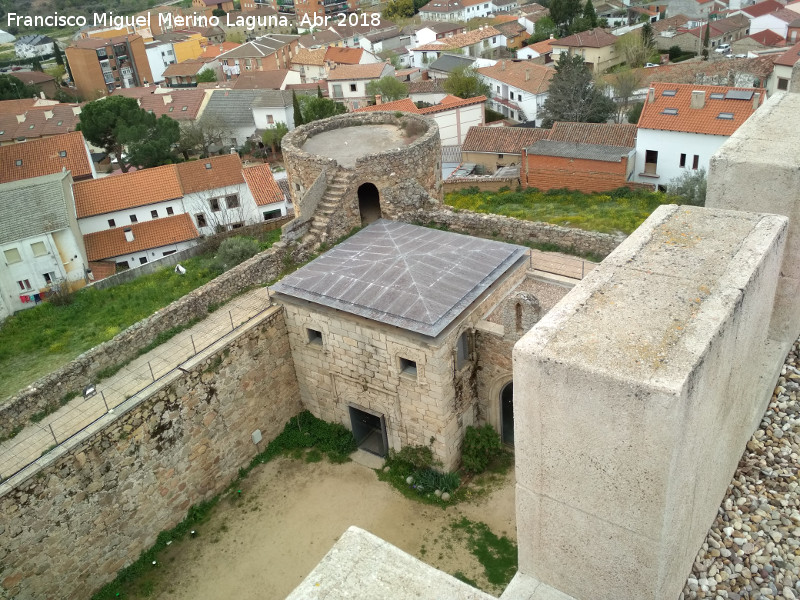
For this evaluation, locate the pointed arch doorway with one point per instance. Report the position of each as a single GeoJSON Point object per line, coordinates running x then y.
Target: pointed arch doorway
{"type": "Point", "coordinates": [507, 413]}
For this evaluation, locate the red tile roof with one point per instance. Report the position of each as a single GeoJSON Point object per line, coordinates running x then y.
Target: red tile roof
{"type": "Point", "coordinates": [768, 38]}
{"type": "Point", "coordinates": [39, 121]}
{"type": "Point", "coordinates": [118, 192]}
{"type": "Point", "coordinates": [32, 77]}
{"type": "Point", "coordinates": [150, 234]}
{"type": "Point", "coordinates": [762, 8]}
{"type": "Point", "coordinates": [344, 56]}
{"type": "Point", "coordinates": [345, 72]}
{"type": "Point", "coordinates": [304, 56]}
{"type": "Point", "coordinates": [604, 134]}
{"type": "Point", "coordinates": [262, 185]}
{"type": "Point", "coordinates": [596, 38]}
{"type": "Point", "coordinates": [44, 157]}
{"type": "Point", "coordinates": [197, 176]}
{"type": "Point", "coordinates": [214, 50]}
{"type": "Point", "coordinates": [524, 75]}
{"type": "Point", "coordinates": [407, 105]}
{"type": "Point", "coordinates": [543, 47]}
{"type": "Point", "coordinates": [187, 68]}
{"type": "Point", "coordinates": [790, 57]}
{"type": "Point", "coordinates": [261, 80]}
{"type": "Point", "coordinates": [696, 120]}
{"type": "Point", "coordinates": [501, 140]}
{"type": "Point", "coordinates": [180, 104]}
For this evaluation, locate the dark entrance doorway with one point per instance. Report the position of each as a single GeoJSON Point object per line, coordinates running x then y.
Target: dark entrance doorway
{"type": "Point", "coordinates": [507, 413]}
{"type": "Point", "coordinates": [369, 431]}
{"type": "Point", "coordinates": [369, 203]}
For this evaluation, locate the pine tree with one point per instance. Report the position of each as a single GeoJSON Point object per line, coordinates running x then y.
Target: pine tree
{"type": "Point", "coordinates": [319, 92]}
{"type": "Point", "coordinates": [298, 115]}
{"type": "Point", "coordinates": [589, 14]}
{"type": "Point", "coordinates": [706, 39]}
{"type": "Point", "coordinates": [57, 54]}
{"type": "Point", "coordinates": [36, 65]}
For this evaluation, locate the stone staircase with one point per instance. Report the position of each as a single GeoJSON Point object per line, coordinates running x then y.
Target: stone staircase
{"type": "Point", "coordinates": [331, 202]}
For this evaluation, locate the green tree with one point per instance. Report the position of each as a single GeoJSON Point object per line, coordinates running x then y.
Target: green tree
{"type": "Point", "coordinates": [273, 136]}
{"type": "Point", "coordinates": [589, 14]}
{"type": "Point", "coordinates": [197, 137]}
{"type": "Point", "coordinates": [648, 39]}
{"type": "Point", "coordinates": [388, 87]}
{"type": "Point", "coordinates": [398, 9]}
{"type": "Point", "coordinates": [117, 123]}
{"type": "Point", "coordinates": [635, 112]}
{"type": "Point", "coordinates": [706, 41]}
{"type": "Point", "coordinates": [206, 76]}
{"type": "Point", "coordinates": [319, 91]}
{"type": "Point", "coordinates": [218, 12]}
{"type": "Point", "coordinates": [464, 82]}
{"type": "Point", "coordinates": [632, 48]}
{"type": "Point", "coordinates": [573, 96]}
{"type": "Point", "coordinates": [691, 186]}
{"type": "Point", "coordinates": [298, 114]}
{"type": "Point", "coordinates": [57, 52]}
{"type": "Point", "coordinates": [542, 30]}
{"type": "Point", "coordinates": [314, 108]}
{"type": "Point", "coordinates": [564, 12]}
{"type": "Point", "coordinates": [12, 88]}
{"type": "Point", "coordinates": [675, 52]}
{"type": "Point", "coordinates": [36, 64]}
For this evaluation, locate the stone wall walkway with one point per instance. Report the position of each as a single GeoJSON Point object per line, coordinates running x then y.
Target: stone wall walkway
{"type": "Point", "coordinates": [37, 439]}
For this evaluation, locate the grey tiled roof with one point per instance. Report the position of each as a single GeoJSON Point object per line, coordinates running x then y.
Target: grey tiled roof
{"type": "Point", "coordinates": [233, 107]}
{"type": "Point", "coordinates": [31, 207]}
{"type": "Point", "coordinates": [450, 62]}
{"type": "Point", "coordinates": [412, 277]}
{"type": "Point", "coordinates": [577, 150]}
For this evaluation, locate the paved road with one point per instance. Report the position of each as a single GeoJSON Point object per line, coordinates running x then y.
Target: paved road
{"type": "Point", "coordinates": [38, 438]}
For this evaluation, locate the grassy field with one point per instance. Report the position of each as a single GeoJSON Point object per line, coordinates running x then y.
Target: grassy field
{"type": "Point", "coordinates": [622, 210]}
{"type": "Point", "coordinates": [37, 341]}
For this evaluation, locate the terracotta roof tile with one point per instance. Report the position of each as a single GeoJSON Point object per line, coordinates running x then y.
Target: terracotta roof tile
{"type": "Point", "coordinates": [128, 190]}
{"type": "Point", "coordinates": [261, 80]}
{"type": "Point", "coordinates": [670, 23]}
{"type": "Point", "coordinates": [344, 72]}
{"type": "Point", "coordinates": [344, 56]}
{"type": "Point", "coordinates": [762, 8]}
{"type": "Point", "coordinates": [15, 107]}
{"type": "Point", "coordinates": [696, 120]}
{"type": "Point", "coordinates": [150, 234]}
{"type": "Point", "coordinates": [214, 50]}
{"type": "Point", "coordinates": [543, 47]}
{"type": "Point", "coordinates": [34, 77]}
{"type": "Point", "coordinates": [603, 134]}
{"type": "Point", "coordinates": [187, 68]}
{"type": "Point", "coordinates": [407, 105]}
{"type": "Point", "coordinates": [501, 140]}
{"type": "Point", "coordinates": [441, 6]}
{"type": "Point", "coordinates": [44, 157]}
{"type": "Point", "coordinates": [196, 175]}
{"type": "Point", "coordinates": [303, 56]}
{"type": "Point", "coordinates": [171, 103]}
{"type": "Point", "coordinates": [768, 38]}
{"type": "Point", "coordinates": [40, 121]}
{"type": "Point", "coordinates": [596, 38]}
{"type": "Point", "coordinates": [470, 37]}
{"type": "Point", "coordinates": [524, 75]}
{"type": "Point", "coordinates": [262, 185]}
{"type": "Point", "coordinates": [790, 57]}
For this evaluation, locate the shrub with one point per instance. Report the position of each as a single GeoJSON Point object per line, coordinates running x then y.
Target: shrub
{"type": "Point", "coordinates": [691, 186]}
{"type": "Point", "coordinates": [416, 457]}
{"type": "Point", "coordinates": [235, 250]}
{"type": "Point", "coordinates": [481, 444]}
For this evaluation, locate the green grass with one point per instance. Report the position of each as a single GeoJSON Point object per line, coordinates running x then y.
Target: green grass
{"type": "Point", "coordinates": [303, 434]}
{"type": "Point", "coordinates": [36, 341]}
{"type": "Point", "coordinates": [621, 210]}
{"type": "Point", "coordinates": [497, 555]}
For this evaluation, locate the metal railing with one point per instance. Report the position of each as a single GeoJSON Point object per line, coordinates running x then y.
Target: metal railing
{"type": "Point", "coordinates": [38, 439]}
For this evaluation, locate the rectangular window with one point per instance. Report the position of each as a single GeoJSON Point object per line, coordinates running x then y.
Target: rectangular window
{"type": "Point", "coordinates": [214, 203]}
{"type": "Point", "coordinates": [337, 90]}
{"type": "Point", "coordinates": [170, 210]}
{"type": "Point", "coordinates": [154, 214]}
{"type": "Point", "coordinates": [49, 277]}
{"type": "Point", "coordinates": [201, 220]}
{"type": "Point", "coordinates": [314, 336]}
{"type": "Point", "coordinates": [134, 219]}
{"type": "Point", "coordinates": [112, 223]}
{"type": "Point", "coordinates": [353, 87]}
{"type": "Point", "coordinates": [683, 161]}
{"type": "Point", "coordinates": [12, 256]}
{"type": "Point", "coordinates": [695, 162]}
{"type": "Point", "coordinates": [462, 350]}
{"type": "Point", "coordinates": [783, 84]}
{"type": "Point", "coordinates": [123, 265]}
{"type": "Point", "coordinates": [408, 366]}
{"type": "Point", "coordinates": [24, 285]}
{"type": "Point", "coordinates": [168, 252]}
{"type": "Point", "coordinates": [232, 201]}
{"type": "Point", "coordinates": [270, 120]}
{"type": "Point", "coordinates": [650, 161]}
{"type": "Point", "coordinates": [271, 214]}
{"type": "Point", "coordinates": [237, 225]}
{"type": "Point", "coordinates": [142, 260]}
{"type": "Point", "coordinates": [39, 249]}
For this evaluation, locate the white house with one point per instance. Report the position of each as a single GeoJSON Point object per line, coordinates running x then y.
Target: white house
{"type": "Point", "coordinates": [477, 8]}
{"type": "Point", "coordinates": [29, 46]}
{"type": "Point", "coordinates": [777, 22]}
{"type": "Point", "coordinates": [781, 74]}
{"type": "Point", "coordinates": [453, 115]}
{"type": "Point", "coordinates": [388, 39]}
{"type": "Point", "coordinates": [273, 106]}
{"type": "Point", "coordinates": [271, 202]}
{"type": "Point", "coordinates": [443, 10]}
{"type": "Point", "coordinates": [160, 54]}
{"type": "Point", "coordinates": [40, 242]}
{"type": "Point", "coordinates": [436, 31]}
{"type": "Point", "coordinates": [682, 125]}
{"type": "Point", "coordinates": [347, 84]}
{"type": "Point", "coordinates": [310, 64]}
{"type": "Point", "coordinates": [518, 88]}
{"type": "Point", "coordinates": [475, 43]}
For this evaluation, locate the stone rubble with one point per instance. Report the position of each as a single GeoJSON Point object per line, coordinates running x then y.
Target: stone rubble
{"type": "Point", "coordinates": [753, 549]}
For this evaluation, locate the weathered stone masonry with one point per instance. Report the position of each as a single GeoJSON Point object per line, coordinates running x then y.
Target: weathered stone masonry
{"type": "Point", "coordinates": [96, 502]}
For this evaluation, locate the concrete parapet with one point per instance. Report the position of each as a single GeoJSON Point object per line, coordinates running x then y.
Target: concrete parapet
{"type": "Point", "coordinates": [634, 397]}
{"type": "Point", "coordinates": [758, 170]}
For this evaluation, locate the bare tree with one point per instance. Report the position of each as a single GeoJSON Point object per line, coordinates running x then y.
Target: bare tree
{"type": "Point", "coordinates": [624, 84]}
{"type": "Point", "coordinates": [199, 136]}
{"type": "Point", "coordinates": [222, 209]}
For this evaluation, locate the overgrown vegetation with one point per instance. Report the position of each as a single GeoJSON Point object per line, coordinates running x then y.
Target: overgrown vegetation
{"type": "Point", "coordinates": [481, 445]}
{"type": "Point", "coordinates": [36, 341]}
{"type": "Point", "coordinates": [235, 250]}
{"type": "Point", "coordinates": [413, 471]}
{"type": "Point", "coordinates": [303, 434]}
{"type": "Point", "coordinates": [620, 210]}
{"type": "Point", "coordinates": [497, 555]}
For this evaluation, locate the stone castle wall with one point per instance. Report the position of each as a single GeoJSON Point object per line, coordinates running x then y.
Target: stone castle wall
{"type": "Point", "coordinates": [98, 501]}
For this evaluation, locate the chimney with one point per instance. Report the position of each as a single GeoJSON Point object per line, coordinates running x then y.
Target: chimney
{"type": "Point", "coordinates": [425, 76]}
{"type": "Point", "coordinates": [698, 99]}
{"type": "Point", "coordinates": [42, 96]}
{"type": "Point", "coordinates": [378, 99]}
{"type": "Point", "coordinates": [527, 74]}
{"type": "Point", "coordinates": [503, 66]}
{"type": "Point", "coordinates": [48, 114]}
{"type": "Point", "coordinates": [756, 98]}
{"type": "Point", "coordinates": [128, 234]}
{"type": "Point", "coordinates": [651, 95]}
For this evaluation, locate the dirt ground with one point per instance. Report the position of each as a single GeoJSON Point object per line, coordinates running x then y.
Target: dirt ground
{"type": "Point", "coordinates": [261, 542]}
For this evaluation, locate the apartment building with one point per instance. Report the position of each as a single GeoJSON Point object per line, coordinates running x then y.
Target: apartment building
{"type": "Point", "coordinates": [101, 65]}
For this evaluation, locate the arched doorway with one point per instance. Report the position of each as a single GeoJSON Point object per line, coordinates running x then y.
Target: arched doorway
{"type": "Point", "coordinates": [369, 203]}
{"type": "Point", "coordinates": [507, 413]}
